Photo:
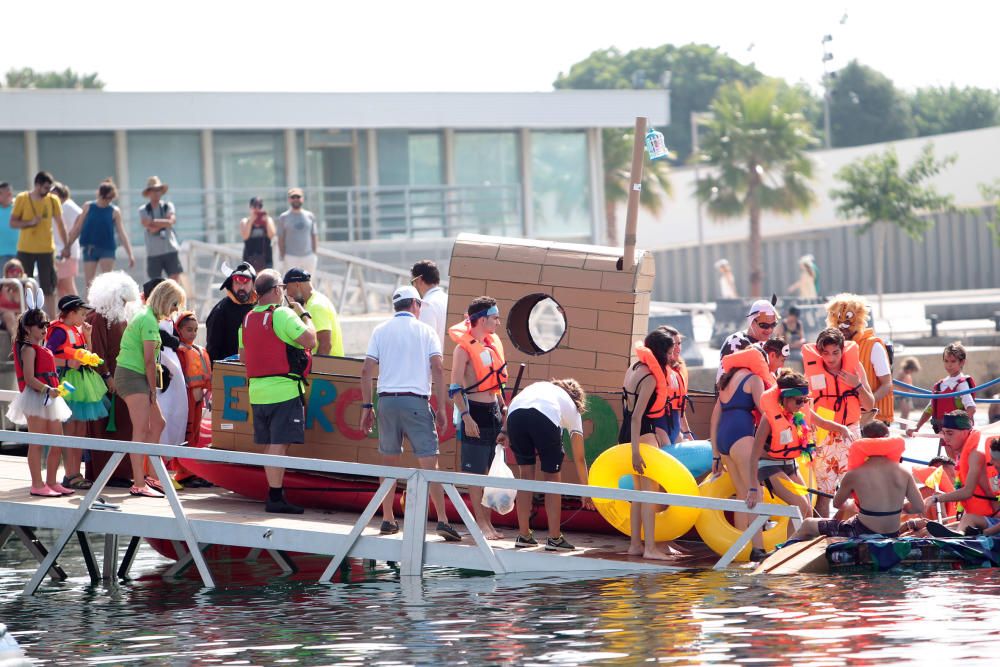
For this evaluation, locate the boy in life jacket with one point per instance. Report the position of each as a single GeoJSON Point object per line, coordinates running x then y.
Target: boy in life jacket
{"type": "Point", "coordinates": [978, 463]}
{"type": "Point", "coordinates": [953, 358]}
{"type": "Point", "coordinates": [198, 377]}
{"type": "Point", "coordinates": [841, 396]}
{"type": "Point", "coordinates": [849, 314]}
{"type": "Point", "coordinates": [882, 488]}
{"type": "Point", "coordinates": [478, 375]}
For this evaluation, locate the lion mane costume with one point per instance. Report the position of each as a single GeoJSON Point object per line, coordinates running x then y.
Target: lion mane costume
{"type": "Point", "coordinates": [849, 314]}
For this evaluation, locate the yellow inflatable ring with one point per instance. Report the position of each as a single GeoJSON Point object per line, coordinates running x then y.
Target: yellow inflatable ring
{"type": "Point", "coordinates": [663, 469]}
{"type": "Point", "coordinates": [716, 531]}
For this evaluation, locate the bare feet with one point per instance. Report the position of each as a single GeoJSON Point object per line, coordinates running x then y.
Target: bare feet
{"type": "Point", "coordinates": [635, 549]}
{"type": "Point", "coordinates": [490, 533]}
{"type": "Point", "coordinates": [655, 554]}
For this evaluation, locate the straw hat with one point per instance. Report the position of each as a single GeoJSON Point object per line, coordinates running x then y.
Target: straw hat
{"type": "Point", "coordinates": [154, 183]}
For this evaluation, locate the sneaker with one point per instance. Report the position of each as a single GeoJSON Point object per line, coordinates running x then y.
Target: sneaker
{"type": "Point", "coordinates": [282, 507]}
{"type": "Point", "coordinates": [522, 542]}
{"type": "Point", "coordinates": [757, 555]}
{"type": "Point", "coordinates": [558, 544]}
{"type": "Point", "coordinates": [447, 532]}
{"type": "Point", "coordinates": [388, 528]}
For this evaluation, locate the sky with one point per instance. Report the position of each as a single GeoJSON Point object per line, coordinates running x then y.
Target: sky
{"type": "Point", "coordinates": [370, 46]}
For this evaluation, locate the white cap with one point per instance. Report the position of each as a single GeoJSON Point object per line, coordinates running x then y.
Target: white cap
{"type": "Point", "coordinates": [762, 306]}
{"type": "Point", "coordinates": [405, 292]}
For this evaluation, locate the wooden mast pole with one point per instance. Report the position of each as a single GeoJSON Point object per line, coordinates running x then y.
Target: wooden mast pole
{"type": "Point", "coordinates": [634, 190]}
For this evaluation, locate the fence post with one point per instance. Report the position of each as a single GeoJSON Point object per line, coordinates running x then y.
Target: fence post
{"type": "Point", "coordinates": [414, 525]}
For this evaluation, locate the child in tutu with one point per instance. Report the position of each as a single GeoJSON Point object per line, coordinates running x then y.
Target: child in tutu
{"type": "Point", "coordinates": [39, 404]}
{"type": "Point", "coordinates": [66, 337]}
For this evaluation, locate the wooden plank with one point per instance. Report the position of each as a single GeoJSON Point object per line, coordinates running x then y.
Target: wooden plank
{"type": "Point", "coordinates": [803, 557]}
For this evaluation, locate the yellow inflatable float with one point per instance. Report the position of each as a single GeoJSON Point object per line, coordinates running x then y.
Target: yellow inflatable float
{"type": "Point", "coordinates": [663, 469]}
{"type": "Point", "coordinates": [716, 531]}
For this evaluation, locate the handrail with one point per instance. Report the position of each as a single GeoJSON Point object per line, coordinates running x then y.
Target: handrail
{"type": "Point", "coordinates": [929, 395]}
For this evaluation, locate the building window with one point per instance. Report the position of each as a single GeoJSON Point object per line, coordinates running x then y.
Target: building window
{"type": "Point", "coordinates": [248, 164]}
{"type": "Point", "coordinates": [486, 163]}
{"type": "Point", "coordinates": [176, 158]}
{"type": "Point", "coordinates": [80, 160]}
{"type": "Point", "coordinates": [560, 185]}
{"type": "Point", "coordinates": [13, 168]}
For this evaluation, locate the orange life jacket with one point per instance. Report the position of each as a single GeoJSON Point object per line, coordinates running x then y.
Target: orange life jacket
{"type": "Point", "coordinates": [487, 358]}
{"type": "Point", "coordinates": [861, 449]}
{"type": "Point", "coordinates": [678, 399]}
{"type": "Point", "coordinates": [754, 360]}
{"type": "Point", "coordinates": [984, 500]}
{"type": "Point", "coordinates": [944, 486]}
{"type": "Point", "coordinates": [866, 340]}
{"type": "Point", "coordinates": [829, 391]}
{"type": "Point", "coordinates": [646, 357]}
{"type": "Point", "coordinates": [196, 365]}
{"type": "Point", "coordinates": [784, 442]}
{"type": "Point", "coordinates": [74, 339]}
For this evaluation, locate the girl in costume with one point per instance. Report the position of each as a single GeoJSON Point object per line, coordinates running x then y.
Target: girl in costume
{"type": "Point", "coordinates": [39, 404]}
{"type": "Point", "coordinates": [68, 339]}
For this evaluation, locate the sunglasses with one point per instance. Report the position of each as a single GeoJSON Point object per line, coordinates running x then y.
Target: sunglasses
{"type": "Point", "coordinates": [295, 197]}
{"type": "Point", "coordinates": [42, 325]}
{"type": "Point", "coordinates": [801, 400]}
{"type": "Point", "coordinates": [767, 325]}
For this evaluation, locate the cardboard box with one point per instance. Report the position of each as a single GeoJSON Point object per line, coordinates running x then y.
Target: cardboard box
{"type": "Point", "coordinates": [615, 322]}
{"type": "Point", "coordinates": [565, 258]}
{"type": "Point", "coordinates": [520, 253]}
{"type": "Point", "coordinates": [563, 277]}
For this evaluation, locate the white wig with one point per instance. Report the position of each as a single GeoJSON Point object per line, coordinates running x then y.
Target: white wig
{"type": "Point", "coordinates": [115, 296]}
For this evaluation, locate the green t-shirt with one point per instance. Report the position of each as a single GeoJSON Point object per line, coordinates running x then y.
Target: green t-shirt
{"type": "Point", "coordinates": [143, 327]}
{"type": "Point", "coordinates": [324, 317]}
{"type": "Point", "coordinates": [288, 326]}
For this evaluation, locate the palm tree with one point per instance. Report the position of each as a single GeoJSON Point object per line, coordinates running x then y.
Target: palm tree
{"type": "Point", "coordinates": [617, 145]}
{"type": "Point", "coordinates": [757, 140]}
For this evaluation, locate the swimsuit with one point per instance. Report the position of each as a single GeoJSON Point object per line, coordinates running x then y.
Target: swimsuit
{"type": "Point", "coordinates": [648, 425]}
{"type": "Point", "coordinates": [736, 420]}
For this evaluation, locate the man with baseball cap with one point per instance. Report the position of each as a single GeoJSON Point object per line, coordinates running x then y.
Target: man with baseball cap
{"type": "Point", "coordinates": [297, 234]}
{"type": "Point", "coordinates": [406, 355]}
{"type": "Point", "coordinates": [761, 321]}
{"type": "Point", "coordinates": [226, 317]}
{"type": "Point", "coordinates": [329, 339]}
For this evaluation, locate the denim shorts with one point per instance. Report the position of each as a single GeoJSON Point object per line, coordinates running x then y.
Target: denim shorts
{"type": "Point", "coordinates": [95, 253]}
{"type": "Point", "coordinates": [409, 417]}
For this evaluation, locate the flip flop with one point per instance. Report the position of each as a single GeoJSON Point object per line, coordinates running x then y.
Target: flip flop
{"type": "Point", "coordinates": [144, 491]}
{"type": "Point", "coordinates": [45, 492]}
{"type": "Point", "coordinates": [154, 484]}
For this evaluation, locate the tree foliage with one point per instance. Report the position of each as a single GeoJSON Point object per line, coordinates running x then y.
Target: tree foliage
{"type": "Point", "coordinates": [617, 144]}
{"type": "Point", "coordinates": [941, 110]}
{"type": "Point", "coordinates": [757, 140]}
{"type": "Point", "coordinates": [25, 77]}
{"type": "Point", "coordinates": [866, 108]}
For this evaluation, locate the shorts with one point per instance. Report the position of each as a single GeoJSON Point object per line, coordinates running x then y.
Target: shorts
{"type": "Point", "coordinates": [129, 383]}
{"type": "Point", "coordinates": [409, 417]}
{"type": "Point", "coordinates": [530, 432]}
{"type": "Point", "coordinates": [305, 262]}
{"type": "Point", "coordinates": [991, 521]}
{"type": "Point", "coordinates": [95, 253]}
{"type": "Point", "coordinates": [477, 453]}
{"type": "Point", "coordinates": [851, 528]}
{"type": "Point", "coordinates": [168, 263]}
{"type": "Point", "coordinates": [46, 262]}
{"type": "Point", "coordinates": [765, 473]}
{"type": "Point", "coordinates": [281, 423]}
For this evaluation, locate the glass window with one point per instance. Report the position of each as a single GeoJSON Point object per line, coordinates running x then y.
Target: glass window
{"type": "Point", "coordinates": [248, 164]}
{"type": "Point", "coordinates": [560, 185]}
{"type": "Point", "coordinates": [426, 166]}
{"type": "Point", "coordinates": [81, 160]}
{"type": "Point", "coordinates": [176, 158]}
{"type": "Point", "coordinates": [486, 163]}
{"type": "Point", "coordinates": [12, 163]}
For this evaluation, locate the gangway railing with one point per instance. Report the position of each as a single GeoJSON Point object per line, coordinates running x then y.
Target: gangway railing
{"type": "Point", "coordinates": [409, 552]}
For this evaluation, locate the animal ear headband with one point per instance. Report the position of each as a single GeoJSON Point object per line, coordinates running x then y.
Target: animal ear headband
{"type": "Point", "coordinates": [34, 298]}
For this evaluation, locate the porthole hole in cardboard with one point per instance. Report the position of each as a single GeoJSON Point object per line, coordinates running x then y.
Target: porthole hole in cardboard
{"type": "Point", "coordinates": [536, 324]}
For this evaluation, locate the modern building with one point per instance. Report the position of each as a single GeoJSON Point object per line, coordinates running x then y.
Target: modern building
{"type": "Point", "coordinates": [385, 166]}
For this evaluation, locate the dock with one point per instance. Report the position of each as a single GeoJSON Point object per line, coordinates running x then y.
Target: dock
{"type": "Point", "coordinates": [192, 520]}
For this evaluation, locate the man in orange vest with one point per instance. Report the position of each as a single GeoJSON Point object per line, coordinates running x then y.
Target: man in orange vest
{"type": "Point", "coordinates": [478, 374]}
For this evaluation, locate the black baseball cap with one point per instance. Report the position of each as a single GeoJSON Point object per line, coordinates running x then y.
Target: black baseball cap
{"type": "Point", "coordinates": [297, 275]}
{"type": "Point", "coordinates": [73, 302]}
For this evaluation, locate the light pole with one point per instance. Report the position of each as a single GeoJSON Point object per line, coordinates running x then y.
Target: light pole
{"type": "Point", "coordinates": [697, 118]}
{"type": "Point", "coordinates": [827, 57]}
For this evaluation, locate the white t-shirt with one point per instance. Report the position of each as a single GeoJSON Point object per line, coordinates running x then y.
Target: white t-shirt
{"type": "Point", "coordinates": [553, 402]}
{"type": "Point", "coordinates": [434, 310]}
{"type": "Point", "coordinates": [958, 383]}
{"type": "Point", "coordinates": [403, 348]}
{"type": "Point", "coordinates": [71, 211]}
{"type": "Point", "coordinates": [880, 361]}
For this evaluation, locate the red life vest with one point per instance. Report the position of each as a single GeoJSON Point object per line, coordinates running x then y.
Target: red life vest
{"type": "Point", "coordinates": [271, 356]}
{"type": "Point", "coordinates": [45, 366]}
{"type": "Point", "coordinates": [74, 340]}
{"type": "Point", "coordinates": [196, 365]}
{"type": "Point", "coordinates": [659, 406]}
{"type": "Point", "coordinates": [942, 406]}
{"type": "Point", "coordinates": [754, 360]}
{"type": "Point", "coordinates": [829, 391]}
{"type": "Point", "coordinates": [678, 400]}
{"type": "Point", "coordinates": [861, 449]}
{"type": "Point", "coordinates": [488, 362]}
{"type": "Point", "coordinates": [984, 500]}
{"type": "Point", "coordinates": [785, 442]}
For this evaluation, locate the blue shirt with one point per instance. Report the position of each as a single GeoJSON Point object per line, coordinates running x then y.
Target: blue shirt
{"type": "Point", "coordinates": [8, 236]}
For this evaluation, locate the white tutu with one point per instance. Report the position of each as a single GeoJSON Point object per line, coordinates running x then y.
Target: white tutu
{"type": "Point", "coordinates": [30, 403]}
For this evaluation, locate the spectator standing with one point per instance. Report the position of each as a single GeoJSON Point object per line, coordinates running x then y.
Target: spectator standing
{"type": "Point", "coordinates": [67, 266]}
{"type": "Point", "coordinates": [298, 237]}
{"type": "Point", "coordinates": [10, 296]}
{"type": "Point", "coordinates": [224, 321]}
{"type": "Point", "coordinates": [37, 213]}
{"type": "Point", "coordinates": [790, 329]}
{"type": "Point", "coordinates": [158, 218]}
{"type": "Point", "coordinates": [8, 235]}
{"type": "Point", "coordinates": [280, 338]}
{"type": "Point", "coordinates": [329, 339]}
{"type": "Point", "coordinates": [434, 308]}
{"type": "Point", "coordinates": [96, 227]}
{"type": "Point", "coordinates": [257, 231]}
{"type": "Point", "coordinates": [727, 282]}
{"type": "Point", "coordinates": [406, 355]}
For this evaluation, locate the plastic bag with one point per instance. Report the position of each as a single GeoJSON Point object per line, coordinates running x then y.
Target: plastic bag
{"type": "Point", "coordinates": [500, 501]}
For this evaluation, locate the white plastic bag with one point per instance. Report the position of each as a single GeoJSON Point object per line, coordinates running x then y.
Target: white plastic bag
{"type": "Point", "coordinates": [500, 501]}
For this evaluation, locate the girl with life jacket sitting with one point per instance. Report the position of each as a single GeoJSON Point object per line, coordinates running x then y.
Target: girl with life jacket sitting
{"type": "Point", "coordinates": [953, 359]}
{"type": "Point", "coordinates": [841, 397]}
{"type": "Point", "coordinates": [646, 419]}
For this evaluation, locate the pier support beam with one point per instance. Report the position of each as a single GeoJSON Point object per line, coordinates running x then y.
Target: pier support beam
{"type": "Point", "coordinates": [414, 526]}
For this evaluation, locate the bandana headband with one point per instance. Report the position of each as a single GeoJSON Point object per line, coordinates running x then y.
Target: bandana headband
{"type": "Point", "coordinates": [492, 310]}
{"type": "Point", "coordinates": [794, 392]}
{"type": "Point", "coordinates": [957, 422]}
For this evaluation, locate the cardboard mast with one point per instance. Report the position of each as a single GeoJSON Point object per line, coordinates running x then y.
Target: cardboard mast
{"type": "Point", "coordinates": [634, 190]}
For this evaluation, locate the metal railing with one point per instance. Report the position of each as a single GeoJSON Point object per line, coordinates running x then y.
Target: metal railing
{"type": "Point", "coordinates": [409, 551]}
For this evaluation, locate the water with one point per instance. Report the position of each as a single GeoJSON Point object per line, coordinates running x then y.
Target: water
{"type": "Point", "coordinates": [455, 618]}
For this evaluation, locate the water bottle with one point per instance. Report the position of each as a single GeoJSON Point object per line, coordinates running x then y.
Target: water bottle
{"type": "Point", "coordinates": [655, 145]}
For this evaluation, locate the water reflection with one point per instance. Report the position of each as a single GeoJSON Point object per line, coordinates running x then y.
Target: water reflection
{"type": "Point", "coordinates": [451, 618]}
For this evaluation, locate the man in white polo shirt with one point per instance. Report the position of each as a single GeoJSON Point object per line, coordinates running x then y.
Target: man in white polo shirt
{"type": "Point", "coordinates": [427, 280]}
{"type": "Point", "coordinates": [406, 355]}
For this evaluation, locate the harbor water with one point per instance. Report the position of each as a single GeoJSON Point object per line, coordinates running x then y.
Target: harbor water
{"type": "Point", "coordinates": [376, 617]}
